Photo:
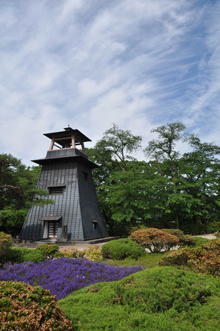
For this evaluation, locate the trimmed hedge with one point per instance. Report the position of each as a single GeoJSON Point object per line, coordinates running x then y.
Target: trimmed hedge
{"type": "Point", "coordinates": [158, 299]}
{"type": "Point", "coordinates": [24, 307]}
{"type": "Point", "coordinates": [120, 249]}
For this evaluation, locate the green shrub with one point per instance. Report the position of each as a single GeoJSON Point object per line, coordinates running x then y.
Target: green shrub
{"type": "Point", "coordinates": [158, 299]}
{"type": "Point", "coordinates": [5, 243]}
{"type": "Point", "coordinates": [24, 307]}
{"type": "Point", "coordinates": [16, 254]}
{"type": "Point", "coordinates": [121, 249]}
{"type": "Point", "coordinates": [48, 250]}
{"type": "Point", "coordinates": [155, 240]}
{"type": "Point", "coordinates": [68, 252]}
{"type": "Point", "coordinates": [217, 234]}
{"type": "Point", "coordinates": [33, 256]}
{"type": "Point", "coordinates": [187, 240]}
{"type": "Point", "coordinates": [175, 232]}
{"type": "Point", "coordinates": [200, 241]}
{"type": "Point", "coordinates": [93, 253]}
{"type": "Point", "coordinates": [202, 259]}
{"type": "Point", "coordinates": [5, 246]}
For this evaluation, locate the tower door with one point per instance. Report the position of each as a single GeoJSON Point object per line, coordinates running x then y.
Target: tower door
{"type": "Point", "coordinates": [52, 229]}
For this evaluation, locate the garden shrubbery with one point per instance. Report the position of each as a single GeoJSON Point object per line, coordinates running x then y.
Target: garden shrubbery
{"type": "Point", "coordinates": [23, 307]}
{"type": "Point", "coordinates": [93, 253]}
{"type": "Point", "coordinates": [200, 241]}
{"type": "Point", "coordinates": [48, 250]}
{"type": "Point", "coordinates": [202, 259]}
{"type": "Point", "coordinates": [33, 256]}
{"type": "Point", "coordinates": [155, 240]}
{"type": "Point", "coordinates": [174, 232]}
{"type": "Point", "coordinates": [122, 248]}
{"type": "Point", "coordinates": [156, 299]}
{"type": "Point", "coordinates": [5, 246]}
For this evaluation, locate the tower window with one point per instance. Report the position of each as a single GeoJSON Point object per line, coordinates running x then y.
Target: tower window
{"type": "Point", "coordinates": [56, 189]}
{"type": "Point", "coordinates": [94, 224]}
{"type": "Point", "coordinates": [85, 175]}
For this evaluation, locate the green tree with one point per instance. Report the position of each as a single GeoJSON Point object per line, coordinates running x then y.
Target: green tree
{"type": "Point", "coordinates": [191, 185]}
{"type": "Point", "coordinates": [112, 153]}
{"type": "Point", "coordinates": [163, 150]}
{"type": "Point", "coordinates": [201, 180]}
{"type": "Point", "coordinates": [17, 192]}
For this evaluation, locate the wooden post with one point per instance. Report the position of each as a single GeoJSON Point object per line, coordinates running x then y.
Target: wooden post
{"type": "Point", "coordinates": [51, 145]}
{"type": "Point", "coordinates": [73, 141]}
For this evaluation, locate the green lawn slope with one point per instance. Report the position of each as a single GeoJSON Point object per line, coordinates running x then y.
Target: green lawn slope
{"type": "Point", "coordinates": [159, 299]}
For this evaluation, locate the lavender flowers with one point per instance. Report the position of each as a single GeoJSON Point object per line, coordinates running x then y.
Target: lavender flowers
{"type": "Point", "coordinates": [63, 276]}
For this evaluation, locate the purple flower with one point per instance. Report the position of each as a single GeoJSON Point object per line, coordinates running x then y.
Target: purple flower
{"type": "Point", "coordinates": [63, 276]}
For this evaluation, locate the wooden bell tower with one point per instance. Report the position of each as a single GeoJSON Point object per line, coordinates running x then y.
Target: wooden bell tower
{"type": "Point", "coordinates": [66, 174]}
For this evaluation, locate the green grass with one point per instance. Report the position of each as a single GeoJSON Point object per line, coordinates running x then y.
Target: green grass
{"type": "Point", "coordinates": [148, 260]}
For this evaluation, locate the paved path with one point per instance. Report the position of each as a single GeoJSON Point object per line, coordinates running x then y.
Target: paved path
{"type": "Point", "coordinates": [82, 246]}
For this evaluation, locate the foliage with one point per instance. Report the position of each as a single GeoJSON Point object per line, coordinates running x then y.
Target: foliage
{"type": "Point", "coordinates": [93, 253]}
{"type": "Point", "coordinates": [157, 299]}
{"type": "Point", "coordinates": [48, 250]}
{"type": "Point", "coordinates": [11, 220]}
{"type": "Point", "coordinates": [121, 249]}
{"type": "Point", "coordinates": [175, 232]}
{"type": "Point", "coordinates": [113, 153]}
{"type": "Point", "coordinates": [18, 184]}
{"type": "Point", "coordinates": [202, 259]}
{"type": "Point", "coordinates": [5, 244]}
{"type": "Point", "coordinates": [200, 241]}
{"type": "Point", "coordinates": [68, 252]}
{"type": "Point", "coordinates": [33, 256]}
{"type": "Point", "coordinates": [16, 254]}
{"type": "Point", "coordinates": [155, 240]}
{"type": "Point", "coordinates": [186, 240]}
{"type": "Point", "coordinates": [63, 276]}
{"type": "Point", "coordinates": [18, 192]}
{"type": "Point", "coordinates": [23, 307]}
{"type": "Point", "coordinates": [147, 260]}
{"type": "Point", "coordinates": [167, 191]}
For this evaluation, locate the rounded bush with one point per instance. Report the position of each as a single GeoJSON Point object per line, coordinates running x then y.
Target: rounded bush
{"type": "Point", "coordinates": [48, 250]}
{"type": "Point", "coordinates": [24, 307]}
{"type": "Point", "coordinates": [202, 259]}
{"type": "Point", "coordinates": [174, 232]}
{"type": "Point", "coordinates": [187, 240]}
{"type": "Point", "coordinates": [33, 256]}
{"type": "Point", "coordinates": [121, 249]}
{"type": "Point", "coordinates": [5, 246]}
{"type": "Point", "coordinates": [155, 240]}
{"type": "Point", "coordinates": [93, 253]}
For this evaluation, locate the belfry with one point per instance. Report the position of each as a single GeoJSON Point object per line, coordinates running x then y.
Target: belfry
{"type": "Point", "coordinates": [66, 174]}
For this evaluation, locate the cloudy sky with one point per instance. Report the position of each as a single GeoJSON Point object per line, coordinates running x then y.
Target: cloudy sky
{"type": "Point", "coordinates": [139, 64]}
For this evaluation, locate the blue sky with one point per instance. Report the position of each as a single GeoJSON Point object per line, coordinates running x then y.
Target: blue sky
{"type": "Point", "coordinates": [139, 64]}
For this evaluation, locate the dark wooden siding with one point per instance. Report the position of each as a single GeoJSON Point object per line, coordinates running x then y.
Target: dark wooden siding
{"type": "Point", "coordinates": [77, 204]}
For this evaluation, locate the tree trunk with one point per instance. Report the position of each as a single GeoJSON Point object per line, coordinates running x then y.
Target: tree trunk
{"type": "Point", "coordinates": [177, 220]}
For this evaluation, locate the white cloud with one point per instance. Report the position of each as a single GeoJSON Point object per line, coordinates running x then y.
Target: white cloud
{"type": "Point", "coordinates": [138, 64]}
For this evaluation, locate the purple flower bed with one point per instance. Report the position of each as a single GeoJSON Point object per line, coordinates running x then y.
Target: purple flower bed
{"type": "Point", "coordinates": [63, 276]}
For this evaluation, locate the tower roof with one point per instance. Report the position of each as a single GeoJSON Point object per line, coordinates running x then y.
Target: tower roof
{"type": "Point", "coordinates": [68, 131]}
